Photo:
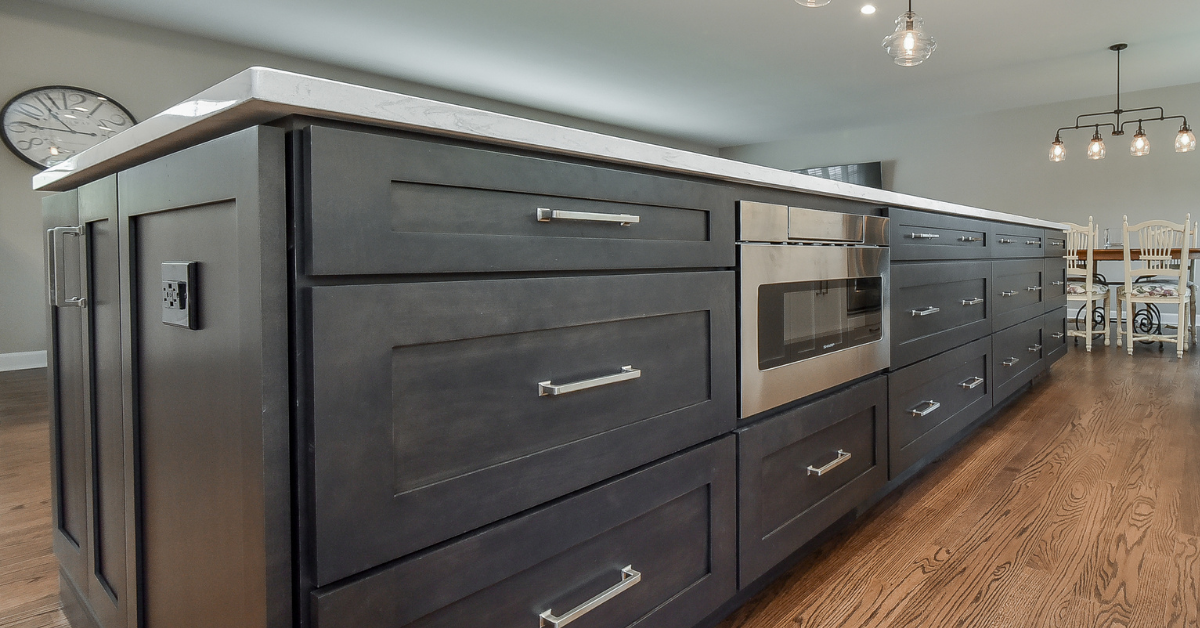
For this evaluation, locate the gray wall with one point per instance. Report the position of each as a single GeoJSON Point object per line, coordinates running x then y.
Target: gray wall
{"type": "Point", "coordinates": [147, 70]}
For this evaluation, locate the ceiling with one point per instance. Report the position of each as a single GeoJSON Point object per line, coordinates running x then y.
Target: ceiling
{"type": "Point", "coordinates": [717, 72]}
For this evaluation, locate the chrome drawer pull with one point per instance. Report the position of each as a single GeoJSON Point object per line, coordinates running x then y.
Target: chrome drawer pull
{"type": "Point", "coordinates": [545, 215]}
{"type": "Point", "coordinates": [55, 269]}
{"type": "Point", "coordinates": [1004, 241]}
{"type": "Point", "coordinates": [972, 383]}
{"type": "Point", "coordinates": [547, 389]}
{"type": "Point", "coordinates": [1035, 348]}
{"type": "Point", "coordinates": [927, 311]}
{"type": "Point", "coordinates": [923, 236]}
{"type": "Point", "coordinates": [629, 577]}
{"type": "Point", "coordinates": [1010, 362]}
{"type": "Point", "coordinates": [975, 301]}
{"type": "Point", "coordinates": [1032, 288]}
{"type": "Point", "coordinates": [933, 405]}
{"type": "Point", "coordinates": [843, 456]}
{"type": "Point", "coordinates": [1057, 335]}
{"type": "Point", "coordinates": [970, 239]}
{"type": "Point", "coordinates": [1056, 283]}
{"type": "Point", "coordinates": [1032, 242]}
{"type": "Point", "coordinates": [1009, 293]}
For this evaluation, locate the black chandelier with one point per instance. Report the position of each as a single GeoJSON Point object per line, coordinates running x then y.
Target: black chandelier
{"type": "Point", "coordinates": [1185, 140]}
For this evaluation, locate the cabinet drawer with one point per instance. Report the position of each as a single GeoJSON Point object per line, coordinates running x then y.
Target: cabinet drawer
{"type": "Point", "coordinates": [433, 423]}
{"type": "Point", "coordinates": [1016, 357]}
{"type": "Point", "coordinates": [937, 306]}
{"type": "Point", "coordinates": [783, 503]}
{"type": "Point", "coordinates": [1055, 293]}
{"type": "Point", "coordinates": [1054, 333]}
{"type": "Point", "coordinates": [1016, 241]}
{"type": "Point", "coordinates": [931, 401]}
{"type": "Point", "coordinates": [1018, 288]}
{"type": "Point", "coordinates": [919, 235]}
{"type": "Point", "coordinates": [382, 205]}
{"type": "Point", "coordinates": [672, 524]}
{"type": "Point", "coordinates": [1055, 243]}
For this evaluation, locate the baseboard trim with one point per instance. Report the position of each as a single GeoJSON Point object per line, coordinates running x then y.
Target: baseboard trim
{"type": "Point", "coordinates": [22, 361]}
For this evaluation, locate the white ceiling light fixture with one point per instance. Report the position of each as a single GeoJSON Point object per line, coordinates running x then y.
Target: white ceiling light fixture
{"type": "Point", "coordinates": [812, 3]}
{"type": "Point", "coordinates": [910, 45]}
{"type": "Point", "coordinates": [1185, 140]}
{"type": "Point", "coordinates": [868, 9]}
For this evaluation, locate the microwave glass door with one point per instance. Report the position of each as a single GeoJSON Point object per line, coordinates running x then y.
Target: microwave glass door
{"type": "Point", "coordinates": [805, 319]}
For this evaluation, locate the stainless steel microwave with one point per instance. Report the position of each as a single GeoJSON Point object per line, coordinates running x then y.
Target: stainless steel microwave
{"type": "Point", "coordinates": [813, 301]}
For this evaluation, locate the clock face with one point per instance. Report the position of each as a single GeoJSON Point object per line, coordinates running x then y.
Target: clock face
{"type": "Point", "coordinates": [47, 125]}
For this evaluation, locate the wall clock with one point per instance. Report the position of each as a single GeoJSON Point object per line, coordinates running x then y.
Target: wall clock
{"type": "Point", "coordinates": [46, 125]}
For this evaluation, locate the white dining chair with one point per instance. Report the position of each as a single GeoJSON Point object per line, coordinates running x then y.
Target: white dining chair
{"type": "Point", "coordinates": [1082, 284]}
{"type": "Point", "coordinates": [1158, 280]}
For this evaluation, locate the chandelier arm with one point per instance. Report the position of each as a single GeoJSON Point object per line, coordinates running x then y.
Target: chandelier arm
{"type": "Point", "coordinates": [1160, 118]}
{"type": "Point", "coordinates": [1088, 115]}
{"type": "Point", "coordinates": [1087, 126]}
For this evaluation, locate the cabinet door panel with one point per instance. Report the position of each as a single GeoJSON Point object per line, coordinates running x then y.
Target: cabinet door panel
{"type": "Point", "coordinates": [1018, 289]}
{"type": "Point", "coordinates": [958, 294]}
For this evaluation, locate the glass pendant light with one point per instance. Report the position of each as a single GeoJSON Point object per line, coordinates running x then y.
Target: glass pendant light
{"type": "Point", "coordinates": [909, 45]}
{"type": "Point", "coordinates": [1185, 142]}
{"type": "Point", "coordinates": [812, 3]}
{"type": "Point", "coordinates": [1058, 152]}
{"type": "Point", "coordinates": [1096, 146]}
{"type": "Point", "coordinates": [1140, 147]}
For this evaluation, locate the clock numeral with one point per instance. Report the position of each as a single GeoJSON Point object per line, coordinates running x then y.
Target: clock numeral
{"type": "Point", "coordinates": [20, 127]}
{"type": "Point", "coordinates": [30, 143]}
{"type": "Point", "coordinates": [74, 99]}
{"type": "Point", "coordinates": [29, 110]}
{"type": "Point", "coordinates": [115, 119]}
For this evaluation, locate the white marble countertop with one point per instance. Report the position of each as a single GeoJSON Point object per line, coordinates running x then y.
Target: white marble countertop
{"type": "Point", "coordinates": [262, 95]}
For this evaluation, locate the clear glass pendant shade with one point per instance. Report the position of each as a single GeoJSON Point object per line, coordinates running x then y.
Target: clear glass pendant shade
{"type": "Point", "coordinates": [1058, 152]}
{"type": "Point", "coordinates": [1140, 147]}
{"type": "Point", "coordinates": [1185, 142]}
{"type": "Point", "coordinates": [1096, 147]}
{"type": "Point", "coordinates": [909, 45]}
{"type": "Point", "coordinates": [812, 3]}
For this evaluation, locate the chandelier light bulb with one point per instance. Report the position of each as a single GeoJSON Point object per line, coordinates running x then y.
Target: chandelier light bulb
{"type": "Point", "coordinates": [1140, 147]}
{"type": "Point", "coordinates": [1185, 142]}
{"type": "Point", "coordinates": [1058, 152]}
{"type": "Point", "coordinates": [909, 45]}
{"type": "Point", "coordinates": [1096, 147]}
{"type": "Point", "coordinates": [812, 3]}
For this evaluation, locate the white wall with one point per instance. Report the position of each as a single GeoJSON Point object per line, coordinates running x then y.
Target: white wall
{"type": "Point", "coordinates": [1000, 161]}
{"type": "Point", "coordinates": [147, 70]}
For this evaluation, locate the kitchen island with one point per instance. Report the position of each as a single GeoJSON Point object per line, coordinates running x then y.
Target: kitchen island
{"type": "Point", "coordinates": [330, 356]}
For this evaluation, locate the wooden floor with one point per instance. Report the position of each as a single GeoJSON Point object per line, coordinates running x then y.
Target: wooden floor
{"type": "Point", "coordinates": [1079, 506]}
{"type": "Point", "coordinates": [28, 571]}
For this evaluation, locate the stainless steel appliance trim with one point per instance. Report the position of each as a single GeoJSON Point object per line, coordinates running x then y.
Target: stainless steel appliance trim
{"type": "Point", "coordinates": [930, 406]}
{"type": "Point", "coordinates": [762, 222]}
{"type": "Point", "coordinates": [763, 264]}
{"type": "Point", "coordinates": [814, 225]}
{"type": "Point", "coordinates": [546, 215]}
{"type": "Point", "coordinates": [547, 389]}
{"type": "Point", "coordinates": [842, 457]}
{"type": "Point", "coordinates": [629, 577]}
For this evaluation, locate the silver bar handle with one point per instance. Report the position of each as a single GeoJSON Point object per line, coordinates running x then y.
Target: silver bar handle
{"type": "Point", "coordinates": [1056, 283]}
{"type": "Point", "coordinates": [1033, 288]}
{"type": "Point", "coordinates": [1011, 361]}
{"type": "Point", "coordinates": [547, 389]}
{"type": "Point", "coordinates": [931, 405]}
{"type": "Point", "coordinates": [1032, 242]}
{"type": "Point", "coordinates": [1004, 241]}
{"type": "Point", "coordinates": [1057, 335]}
{"type": "Point", "coordinates": [55, 268]}
{"type": "Point", "coordinates": [927, 311]}
{"type": "Point", "coordinates": [969, 239]}
{"type": "Point", "coordinates": [923, 236]}
{"type": "Point", "coordinates": [971, 383]}
{"type": "Point", "coordinates": [1035, 348]}
{"type": "Point", "coordinates": [629, 577]}
{"type": "Point", "coordinates": [1008, 293]}
{"type": "Point", "coordinates": [975, 301]}
{"type": "Point", "coordinates": [842, 457]}
{"type": "Point", "coordinates": [546, 215]}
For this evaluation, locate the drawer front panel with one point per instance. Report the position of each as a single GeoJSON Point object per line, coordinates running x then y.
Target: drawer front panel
{"type": "Point", "coordinates": [1055, 292]}
{"type": "Point", "coordinates": [1017, 241]}
{"type": "Point", "coordinates": [937, 306]}
{"type": "Point", "coordinates": [917, 235]}
{"type": "Point", "coordinates": [1055, 243]}
{"type": "Point", "coordinates": [384, 205]}
{"type": "Point", "coordinates": [1054, 332]}
{"type": "Point", "coordinates": [783, 502]}
{"type": "Point", "coordinates": [672, 524]}
{"type": "Point", "coordinates": [449, 414]}
{"type": "Point", "coordinates": [1018, 290]}
{"type": "Point", "coordinates": [1016, 357]}
{"type": "Point", "coordinates": [931, 401]}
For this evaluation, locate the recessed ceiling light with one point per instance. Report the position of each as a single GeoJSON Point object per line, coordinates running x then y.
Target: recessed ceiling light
{"type": "Point", "coordinates": [868, 9]}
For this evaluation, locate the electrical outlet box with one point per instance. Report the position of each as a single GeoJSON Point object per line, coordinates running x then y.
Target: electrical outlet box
{"type": "Point", "coordinates": [179, 307]}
